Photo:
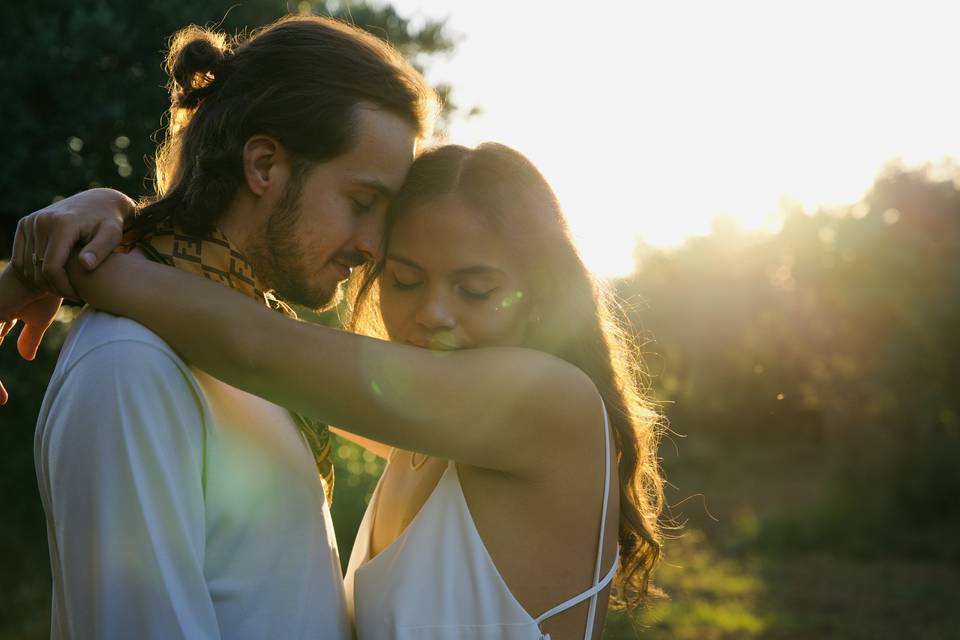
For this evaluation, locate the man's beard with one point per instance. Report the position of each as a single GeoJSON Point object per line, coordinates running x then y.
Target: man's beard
{"type": "Point", "coordinates": [278, 257]}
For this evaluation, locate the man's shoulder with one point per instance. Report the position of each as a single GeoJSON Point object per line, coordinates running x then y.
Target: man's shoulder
{"type": "Point", "coordinates": [109, 360]}
{"type": "Point", "coordinates": [98, 331]}
{"type": "Point", "coordinates": [122, 353]}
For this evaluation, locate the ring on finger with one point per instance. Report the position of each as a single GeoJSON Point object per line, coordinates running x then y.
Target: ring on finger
{"type": "Point", "coordinates": [37, 261]}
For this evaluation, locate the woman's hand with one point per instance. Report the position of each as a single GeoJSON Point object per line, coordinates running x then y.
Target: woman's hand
{"type": "Point", "coordinates": [37, 309]}
{"type": "Point", "coordinates": [45, 238]}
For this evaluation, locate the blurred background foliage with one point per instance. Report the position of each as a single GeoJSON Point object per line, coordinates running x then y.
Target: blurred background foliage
{"type": "Point", "coordinates": [839, 334]}
{"type": "Point", "coordinates": [810, 377]}
{"type": "Point", "coordinates": [85, 85]}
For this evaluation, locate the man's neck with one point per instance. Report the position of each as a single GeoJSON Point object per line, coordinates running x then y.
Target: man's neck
{"type": "Point", "coordinates": [239, 223]}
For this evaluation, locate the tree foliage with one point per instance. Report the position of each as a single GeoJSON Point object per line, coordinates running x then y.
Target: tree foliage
{"type": "Point", "coordinates": [838, 332]}
{"type": "Point", "coordinates": [83, 99]}
{"type": "Point", "coordinates": [84, 85]}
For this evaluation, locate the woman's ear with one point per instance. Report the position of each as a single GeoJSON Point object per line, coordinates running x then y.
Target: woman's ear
{"type": "Point", "coordinates": [265, 164]}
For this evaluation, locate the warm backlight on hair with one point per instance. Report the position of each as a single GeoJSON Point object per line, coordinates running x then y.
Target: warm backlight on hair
{"type": "Point", "coordinates": [653, 119]}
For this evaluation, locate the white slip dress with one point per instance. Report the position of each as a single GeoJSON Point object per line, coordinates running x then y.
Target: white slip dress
{"type": "Point", "coordinates": [437, 580]}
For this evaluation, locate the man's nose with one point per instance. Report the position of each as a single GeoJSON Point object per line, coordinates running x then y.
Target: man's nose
{"type": "Point", "coordinates": [369, 238]}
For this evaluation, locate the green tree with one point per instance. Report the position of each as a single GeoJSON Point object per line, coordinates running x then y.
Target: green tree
{"type": "Point", "coordinates": [839, 332]}
{"type": "Point", "coordinates": [84, 95]}
{"type": "Point", "coordinates": [84, 85]}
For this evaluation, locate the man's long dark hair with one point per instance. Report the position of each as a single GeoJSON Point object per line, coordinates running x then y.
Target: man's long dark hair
{"type": "Point", "coordinates": [298, 80]}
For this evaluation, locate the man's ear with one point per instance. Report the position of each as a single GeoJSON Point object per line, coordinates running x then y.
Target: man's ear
{"type": "Point", "coordinates": [265, 164]}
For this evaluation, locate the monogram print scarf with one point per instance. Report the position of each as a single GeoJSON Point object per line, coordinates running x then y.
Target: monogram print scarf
{"type": "Point", "coordinates": [217, 259]}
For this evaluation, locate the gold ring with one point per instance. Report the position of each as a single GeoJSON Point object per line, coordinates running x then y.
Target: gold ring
{"type": "Point", "coordinates": [37, 262]}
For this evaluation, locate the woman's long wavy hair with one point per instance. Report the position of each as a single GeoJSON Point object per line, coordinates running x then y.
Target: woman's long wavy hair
{"type": "Point", "coordinates": [298, 80]}
{"type": "Point", "coordinates": [580, 322]}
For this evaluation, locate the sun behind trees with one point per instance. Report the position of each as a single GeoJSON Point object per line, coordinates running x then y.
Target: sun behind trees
{"type": "Point", "coordinates": [837, 333]}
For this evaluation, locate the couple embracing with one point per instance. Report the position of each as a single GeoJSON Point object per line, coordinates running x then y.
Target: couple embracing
{"type": "Point", "coordinates": [182, 452]}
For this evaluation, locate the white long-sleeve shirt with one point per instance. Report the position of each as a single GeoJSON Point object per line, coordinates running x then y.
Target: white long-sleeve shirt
{"type": "Point", "coordinates": [177, 506]}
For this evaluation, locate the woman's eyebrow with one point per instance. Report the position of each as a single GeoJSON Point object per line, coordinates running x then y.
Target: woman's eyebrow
{"type": "Point", "coordinates": [479, 269]}
{"type": "Point", "coordinates": [402, 260]}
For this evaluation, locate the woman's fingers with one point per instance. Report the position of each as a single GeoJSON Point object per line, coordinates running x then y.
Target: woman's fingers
{"type": "Point", "coordinates": [39, 253]}
{"type": "Point", "coordinates": [41, 250]}
{"type": "Point", "coordinates": [54, 270]}
{"type": "Point", "coordinates": [30, 250]}
{"type": "Point", "coordinates": [58, 247]}
{"type": "Point", "coordinates": [105, 239]}
{"type": "Point", "coordinates": [46, 237]}
{"type": "Point", "coordinates": [6, 328]}
{"type": "Point", "coordinates": [18, 261]}
{"type": "Point", "coordinates": [30, 338]}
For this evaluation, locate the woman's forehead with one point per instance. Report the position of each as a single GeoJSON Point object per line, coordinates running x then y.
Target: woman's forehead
{"type": "Point", "coordinates": [445, 219]}
{"type": "Point", "coordinates": [446, 232]}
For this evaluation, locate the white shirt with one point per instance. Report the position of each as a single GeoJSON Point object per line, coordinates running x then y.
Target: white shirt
{"type": "Point", "coordinates": [177, 506]}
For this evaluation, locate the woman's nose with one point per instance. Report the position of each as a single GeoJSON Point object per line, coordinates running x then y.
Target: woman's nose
{"type": "Point", "coordinates": [435, 314]}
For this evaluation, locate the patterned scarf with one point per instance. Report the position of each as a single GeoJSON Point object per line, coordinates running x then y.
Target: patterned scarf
{"type": "Point", "coordinates": [217, 259]}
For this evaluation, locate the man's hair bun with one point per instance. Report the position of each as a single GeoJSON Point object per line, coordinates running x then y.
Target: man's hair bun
{"type": "Point", "coordinates": [195, 62]}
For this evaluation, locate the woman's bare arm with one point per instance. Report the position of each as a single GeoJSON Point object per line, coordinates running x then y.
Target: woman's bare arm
{"type": "Point", "coordinates": [377, 448]}
{"type": "Point", "coordinates": [492, 408]}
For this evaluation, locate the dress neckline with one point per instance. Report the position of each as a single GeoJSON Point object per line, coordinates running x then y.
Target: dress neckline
{"type": "Point", "coordinates": [451, 466]}
{"type": "Point", "coordinates": [374, 505]}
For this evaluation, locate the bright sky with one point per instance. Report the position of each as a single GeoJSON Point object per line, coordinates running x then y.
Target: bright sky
{"type": "Point", "coordinates": [651, 118]}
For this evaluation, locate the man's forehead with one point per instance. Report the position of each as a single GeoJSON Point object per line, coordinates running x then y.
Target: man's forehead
{"type": "Point", "coordinates": [384, 148]}
{"type": "Point", "coordinates": [374, 184]}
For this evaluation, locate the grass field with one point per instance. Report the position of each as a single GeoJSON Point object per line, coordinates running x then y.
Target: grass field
{"type": "Point", "coordinates": [725, 580]}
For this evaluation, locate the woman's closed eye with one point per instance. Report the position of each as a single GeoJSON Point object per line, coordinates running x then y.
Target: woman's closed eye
{"type": "Point", "coordinates": [475, 292]}
{"type": "Point", "coordinates": [405, 283]}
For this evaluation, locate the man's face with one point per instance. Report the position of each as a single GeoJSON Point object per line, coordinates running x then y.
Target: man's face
{"type": "Point", "coordinates": [316, 234]}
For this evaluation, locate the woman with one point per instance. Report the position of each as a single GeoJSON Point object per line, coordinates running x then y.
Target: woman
{"type": "Point", "coordinates": [501, 525]}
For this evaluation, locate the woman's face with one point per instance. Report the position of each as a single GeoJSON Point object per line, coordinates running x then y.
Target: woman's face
{"type": "Point", "coordinates": [449, 281]}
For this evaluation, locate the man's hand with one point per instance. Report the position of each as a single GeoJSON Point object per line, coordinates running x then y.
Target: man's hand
{"type": "Point", "coordinates": [46, 237]}
{"type": "Point", "coordinates": [37, 309]}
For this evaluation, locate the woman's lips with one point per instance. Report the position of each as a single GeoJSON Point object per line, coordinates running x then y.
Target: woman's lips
{"type": "Point", "coordinates": [436, 344]}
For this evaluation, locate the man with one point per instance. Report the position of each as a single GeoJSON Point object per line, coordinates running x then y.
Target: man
{"type": "Point", "coordinates": [177, 506]}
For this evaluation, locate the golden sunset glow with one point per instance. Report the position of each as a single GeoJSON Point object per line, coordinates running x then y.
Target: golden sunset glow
{"type": "Point", "coordinates": [651, 119]}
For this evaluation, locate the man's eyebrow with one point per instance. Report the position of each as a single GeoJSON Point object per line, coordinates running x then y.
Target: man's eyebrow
{"type": "Point", "coordinates": [376, 185]}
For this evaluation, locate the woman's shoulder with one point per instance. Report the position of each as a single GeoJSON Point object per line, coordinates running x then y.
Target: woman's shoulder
{"type": "Point", "coordinates": [566, 412]}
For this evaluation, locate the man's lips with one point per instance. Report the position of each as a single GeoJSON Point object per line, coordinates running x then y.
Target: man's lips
{"type": "Point", "coordinates": [345, 264]}
{"type": "Point", "coordinates": [343, 271]}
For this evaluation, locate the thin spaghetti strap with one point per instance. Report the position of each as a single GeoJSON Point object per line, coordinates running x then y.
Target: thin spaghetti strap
{"type": "Point", "coordinates": [603, 519]}
{"type": "Point", "coordinates": [598, 584]}
{"type": "Point", "coordinates": [575, 600]}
